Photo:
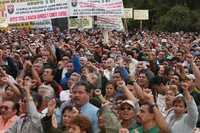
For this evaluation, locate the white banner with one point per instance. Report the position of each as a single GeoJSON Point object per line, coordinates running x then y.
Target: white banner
{"type": "Point", "coordinates": [3, 22]}
{"type": "Point", "coordinates": [109, 23]}
{"type": "Point", "coordinates": [141, 14]}
{"type": "Point", "coordinates": [96, 7]}
{"type": "Point", "coordinates": [128, 13]}
{"type": "Point", "coordinates": [22, 12]}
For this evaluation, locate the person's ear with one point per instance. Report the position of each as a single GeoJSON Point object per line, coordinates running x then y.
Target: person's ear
{"type": "Point", "coordinates": [15, 111]}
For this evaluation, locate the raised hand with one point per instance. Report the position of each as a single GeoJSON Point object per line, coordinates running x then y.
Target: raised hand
{"type": "Point", "coordinates": [148, 97]}
{"type": "Point", "coordinates": [123, 130]}
{"type": "Point", "coordinates": [186, 90]}
{"type": "Point", "coordinates": [51, 106]}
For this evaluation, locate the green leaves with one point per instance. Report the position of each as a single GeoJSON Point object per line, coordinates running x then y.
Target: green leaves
{"type": "Point", "coordinates": [168, 15]}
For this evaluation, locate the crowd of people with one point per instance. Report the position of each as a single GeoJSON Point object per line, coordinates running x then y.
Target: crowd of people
{"type": "Point", "coordinates": [88, 82]}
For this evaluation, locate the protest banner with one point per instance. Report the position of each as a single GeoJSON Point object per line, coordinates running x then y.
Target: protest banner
{"type": "Point", "coordinates": [3, 22]}
{"type": "Point", "coordinates": [96, 7]}
{"type": "Point", "coordinates": [43, 24]}
{"type": "Point", "coordinates": [27, 25]}
{"type": "Point", "coordinates": [128, 13]}
{"type": "Point", "coordinates": [80, 23]}
{"type": "Point", "coordinates": [109, 23]}
{"type": "Point", "coordinates": [22, 12]}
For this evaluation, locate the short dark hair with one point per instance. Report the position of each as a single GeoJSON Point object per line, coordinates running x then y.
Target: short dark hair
{"type": "Point", "coordinates": [179, 99]}
{"type": "Point", "coordinates": [50, 67]}
{"type": "Point", "coordinates": [83, 83]}
{"type": "Point", "coordinates": [68, 107]}
{"type": "Point", "coordinates": [150, 107]}
{"type": "Point", "coordinates": [157, 80]}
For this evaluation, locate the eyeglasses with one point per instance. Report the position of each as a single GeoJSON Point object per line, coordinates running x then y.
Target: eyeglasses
{"type": "Point", "coordinates": [129, 109]}
{"type": "Point", "coordinates": [4, 107]}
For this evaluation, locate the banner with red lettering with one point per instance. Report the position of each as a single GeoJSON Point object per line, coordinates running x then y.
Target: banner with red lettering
{"type": "Point", "coordinates": [23, 12]}
{"type": "Point", "coordinates": [96, 7]}
{"type": "Point", "coordinates": [109, 23]}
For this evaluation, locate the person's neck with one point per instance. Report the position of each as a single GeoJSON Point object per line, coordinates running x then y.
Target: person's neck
{"type": "Point", "coordinates": [80, 106]}
{"type": "Point", "coordinates": [103, 130]}
{"type": "Point", "coordinates": [178, 116]}
{"type": "Point", "coordinates": [5, 119]}
{"type": "Point", "coordinates": [149, 125]}
{"type": "Point", "coordinates": [126, 123]}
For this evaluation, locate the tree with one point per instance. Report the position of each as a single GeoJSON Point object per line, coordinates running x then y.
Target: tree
{"type": "Point", "coordinates": [176, 19]}
{"type": "Point", "coordinates": [170, 15]}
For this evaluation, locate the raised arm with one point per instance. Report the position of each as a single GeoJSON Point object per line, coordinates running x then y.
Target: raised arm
{"type": "Point", "coordinates": [128, 94]}
{"type": "Point", "coordinates": [48, 125]}
{"type": "Point", "coordinates": [196, 73]}
{"type": "Point", "coordinates": [31, 108]}
{"type": "Point", "coordinates": [195, 69]}
{"type": "Point", "coordinates": [192, 111]}
{"type": "Point", "coordinates": [160, 120]}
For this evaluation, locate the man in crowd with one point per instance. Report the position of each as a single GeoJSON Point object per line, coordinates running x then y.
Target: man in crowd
{"type": "Point", "coordinates": [8, 111]}
{"type": "Point", "coordinates": [80, 97]}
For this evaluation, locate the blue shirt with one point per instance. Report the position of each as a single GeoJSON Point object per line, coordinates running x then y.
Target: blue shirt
{"type": "Point", "coordinates": [90, 111]}
{"type": "Point", "coordinates": [77, 69]}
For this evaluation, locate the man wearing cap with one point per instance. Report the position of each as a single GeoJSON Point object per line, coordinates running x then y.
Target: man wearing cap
{"type": "Point", "coordinates": [127, 114]}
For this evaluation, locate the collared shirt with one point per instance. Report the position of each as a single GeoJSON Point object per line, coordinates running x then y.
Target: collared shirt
{"type": "Point", "coordinates": [8, 124]}
{"type": "Point", "coordinates": [28, 123]}
{"type": "Point", "coordinates": [108, 74]}
{"type": "Point", "coordinates": [141, 130]}
{"type": "Point", "coordinates": [161, 102]}
{"type": "Point", "coordinates": [90, 111]}
{"type": "Point", "coordinates": [187, 122]}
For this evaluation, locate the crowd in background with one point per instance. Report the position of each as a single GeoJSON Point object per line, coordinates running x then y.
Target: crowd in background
{"type": "Point", "coordinates": [94, 81]}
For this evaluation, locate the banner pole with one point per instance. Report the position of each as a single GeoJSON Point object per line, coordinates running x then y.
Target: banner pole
{"type": "Point", "coordinates": [141, 25]}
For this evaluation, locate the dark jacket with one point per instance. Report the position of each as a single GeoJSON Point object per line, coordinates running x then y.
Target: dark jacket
{"type": "Point", "coordinates": [48, 127]}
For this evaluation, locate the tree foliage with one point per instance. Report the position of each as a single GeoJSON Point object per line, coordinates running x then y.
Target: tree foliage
{"type": "Point", "coordinates": [168, 15]}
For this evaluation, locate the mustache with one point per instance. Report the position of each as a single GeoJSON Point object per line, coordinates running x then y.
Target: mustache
{"type": "Point", "coordinates": [2, 112]}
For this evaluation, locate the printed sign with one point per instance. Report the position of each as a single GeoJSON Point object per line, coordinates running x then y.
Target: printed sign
{"type": "Point", "coordinates": [43, 24]}
{"type": "Point", "coordinates": [3, 22]}
{"type": "Point", "coordinates": [141, 14]}
{"type": "Point", "coordinates": [33, 25]}
{"type": "Point", "coordinates": [128, 13]}
{"type": "Point", "coordinates": [22, 12]}
{"type": "Point", "coordinates": [109, 23]}
{"type": "Point", "coordinates": [80, 23]}
{"type": "Point", "coordinates": [95, 7]}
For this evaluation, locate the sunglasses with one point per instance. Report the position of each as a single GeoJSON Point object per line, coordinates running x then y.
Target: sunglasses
{"type": "Point", "coordinates": [4, 107]}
